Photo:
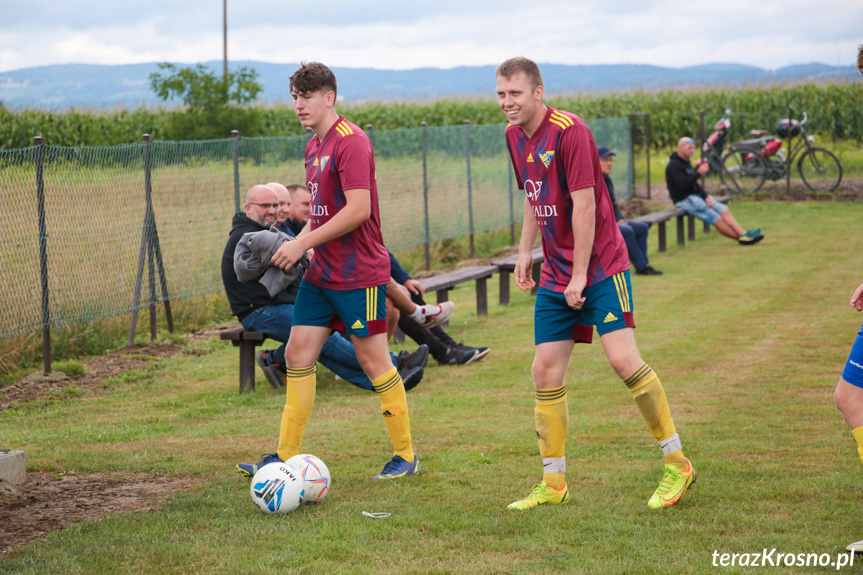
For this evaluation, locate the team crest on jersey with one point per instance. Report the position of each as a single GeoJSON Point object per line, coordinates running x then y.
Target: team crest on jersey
{"type": "Point", "coordinates": [324, 160]}
{"type": "Point", "coordinates": [529, 158]}
{"type": "Point", "coordinates": [546, 157]}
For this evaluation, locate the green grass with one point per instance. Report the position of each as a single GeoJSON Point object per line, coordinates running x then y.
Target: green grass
{"type": "Point", "coordinates": [749, 343]}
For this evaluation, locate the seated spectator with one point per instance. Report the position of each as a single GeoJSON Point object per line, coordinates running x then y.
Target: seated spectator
{"type": "Point", "coordinates": [688, 195]}
{"type": "Point", "coordinates": [257, 310]}
{"type": "Point", "coordinates": [299, 210]}
{"type": "Point", "coordinates": [634, 232]}
{"type": "Point", "coordinates": [441, 346]}
{"type": "Point", "coordinates": [399, 302]}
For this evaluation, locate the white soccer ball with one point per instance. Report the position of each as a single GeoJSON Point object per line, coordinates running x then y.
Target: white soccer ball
{"type": "Point", "coordinates": [315, 474]}
{"type": "Point", "coordinates": [277, 488]}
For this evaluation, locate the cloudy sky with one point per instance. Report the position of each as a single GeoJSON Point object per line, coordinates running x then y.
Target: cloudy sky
{"type": "Point", "coordinates": [404, 34]}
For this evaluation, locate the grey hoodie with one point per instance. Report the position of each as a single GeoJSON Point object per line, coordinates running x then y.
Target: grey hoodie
{"type": "Point", "coordinates": [253, 258]}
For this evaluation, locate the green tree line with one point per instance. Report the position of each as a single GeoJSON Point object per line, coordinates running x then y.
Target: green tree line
{"type": "Point", "coordinates": [835, 111]}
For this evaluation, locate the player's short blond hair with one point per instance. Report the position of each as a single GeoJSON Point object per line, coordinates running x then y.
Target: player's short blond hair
{"type": "Point", "coordinates": [515, 65]}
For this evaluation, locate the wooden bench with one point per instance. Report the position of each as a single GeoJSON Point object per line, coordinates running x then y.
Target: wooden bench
{"type": "Point", "coordinates": [506, 267]}
{"type": "Point", "coordinates": [444, 282]}
{"type": "Point", "coordinates": [247, 341]}
{"type": "Point", "coordinates": [661, 217]}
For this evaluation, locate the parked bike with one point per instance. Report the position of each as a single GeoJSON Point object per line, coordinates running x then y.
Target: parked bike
{"type": "Point", "coordinates": [751, 162]}
{"type": "Point", "coordinates": [739, 173]}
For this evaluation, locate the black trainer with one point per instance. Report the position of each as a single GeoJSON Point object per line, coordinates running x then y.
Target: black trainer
{"type": "Point", "coordinates": [481, 352]}
{"type": "Point", "coordinates": [271, 372]}
{"type": "Point", "coordinates": [419, 358]}
{"type": "Point", "coordinates": [411, 377]}
{"type": "Point", "coordinates": [648, 271]}
{"type": "Point", "coordinates": [459, 355]}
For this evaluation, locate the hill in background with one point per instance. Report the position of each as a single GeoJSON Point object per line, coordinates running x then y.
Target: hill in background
{"type": "Point", "coordinates": [99, 86]}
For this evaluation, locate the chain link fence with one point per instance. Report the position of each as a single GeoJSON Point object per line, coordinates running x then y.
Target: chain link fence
{"type": "Point", "coordinates": [94, 232]}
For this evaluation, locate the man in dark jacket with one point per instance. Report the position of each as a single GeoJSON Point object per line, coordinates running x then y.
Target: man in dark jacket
{"type": "Point", "coordinates": [688, 195]}
{"type": "Point", "coordinates": [634, 232]}
{"type": "Point", "coordinates": [273, 315]}
{"type": "Point", "coordinates": [299, 211]}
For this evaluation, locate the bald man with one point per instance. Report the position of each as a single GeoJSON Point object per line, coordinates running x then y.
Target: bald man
{"type": "Point", "coordinates": [257, 310]}
{"type": "Point", "coordinates": [688, 195]}
{"type": "Point", "coordinates": [284, 202]}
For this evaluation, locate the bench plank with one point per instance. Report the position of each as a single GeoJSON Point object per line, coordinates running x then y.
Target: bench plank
{"type": "Point", "coordinates": [444, 282]}
{"type": "Point", "coordinates": [506, 267]}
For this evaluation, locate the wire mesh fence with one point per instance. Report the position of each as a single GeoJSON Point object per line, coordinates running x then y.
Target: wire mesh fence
{"type": "Point", "coordinates": [93, 232]}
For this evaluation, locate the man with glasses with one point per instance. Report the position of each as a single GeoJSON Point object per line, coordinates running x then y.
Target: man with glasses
{"type": "Point", "coordinates": [688, 195]}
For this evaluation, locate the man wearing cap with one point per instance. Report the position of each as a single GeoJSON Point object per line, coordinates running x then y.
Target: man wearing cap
{"type": "Point", "coordinates": [688, 195]}
{"type": "Point", "coordinates": [634, 232]}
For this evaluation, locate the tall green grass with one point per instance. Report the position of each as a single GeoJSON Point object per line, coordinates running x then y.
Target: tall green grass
{"type": "Point", "coordinates": [836, 111]}
{"type": "Point", "coordinates": [748, 341]}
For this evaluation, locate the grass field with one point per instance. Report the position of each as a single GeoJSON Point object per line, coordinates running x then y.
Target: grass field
{"type": "Point", "coordinates": [749, 343]}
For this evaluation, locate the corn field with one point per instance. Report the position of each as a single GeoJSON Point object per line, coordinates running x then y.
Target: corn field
{"type": "Point", "coordinates": [835, 112]}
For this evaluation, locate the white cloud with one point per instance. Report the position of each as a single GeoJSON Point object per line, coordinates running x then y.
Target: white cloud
{"type": "Point", "coordinates": [444, 34]}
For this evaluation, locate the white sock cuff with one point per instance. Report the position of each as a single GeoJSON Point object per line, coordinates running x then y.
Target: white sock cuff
{"type": "Point", "coordinates": [554, 464]}
{"type": "Point", "coordinates": [671, 444]}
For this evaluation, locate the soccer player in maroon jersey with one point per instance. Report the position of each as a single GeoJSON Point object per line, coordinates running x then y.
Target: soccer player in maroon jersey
{"type": "Point", "coordinates": [345, 286]}
{"type": "Point", "coordinates": [585, 278]}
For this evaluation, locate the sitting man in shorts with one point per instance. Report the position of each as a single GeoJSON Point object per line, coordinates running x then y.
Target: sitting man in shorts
{"type": "Point", "coordinates": [688, 195]}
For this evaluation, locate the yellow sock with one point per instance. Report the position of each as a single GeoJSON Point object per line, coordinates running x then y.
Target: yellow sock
{"type": "Point", "coordinates": [394, 406]}
{"type": "Point", "coordinates": [858, 435]}
{"type": "Point", "coordinates": [653, 405]}
{"type": "Point", "coordinates": [301, 384]}
{"type": "Point", "coordinates": [552, 420]}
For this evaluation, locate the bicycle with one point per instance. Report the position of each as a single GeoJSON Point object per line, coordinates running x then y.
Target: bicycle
{"type": "Point", "coordinates": [764, 157]}
{"type": "Point", "coordinates": [739, 172]}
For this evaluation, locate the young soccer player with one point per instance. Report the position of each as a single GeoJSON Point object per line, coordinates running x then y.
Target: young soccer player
{"type": "Point", "coordinates": [585, 279]}
{"type": "Point", "coordinates": [849, 392]}
{"type": "Point", "coordinates": [345, 286]}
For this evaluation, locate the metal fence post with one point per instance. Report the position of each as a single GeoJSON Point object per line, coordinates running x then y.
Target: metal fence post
{"type": "Point", "coordinates": [150, 224]}
{"type": "Point", "coordinates": [38, 154]}
{"type": "Point", "coordinates": [647, 148]}
{"type": "Point", "coordinates": [701, 140]}
{"type": "Point", "coordinates": [631, 118]}
{"type": "Point", "coordinates": [143, 252]}
{"type": "Point", "coordinates": [469, 185]}
{"type": "Point", "coordinates": [426, 195]}
{"type": "Point", "coordinates": [511, 207]}
{"type": "Point", "coordinates": [788, 159]}
{"type": "Point", "coordinates": [235, 152]}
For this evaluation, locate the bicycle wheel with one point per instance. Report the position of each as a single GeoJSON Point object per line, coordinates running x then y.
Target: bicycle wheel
{"type": "Point", "coordinates": [820, 170]}
{"type": "Point", "coordinates": [743, 171]}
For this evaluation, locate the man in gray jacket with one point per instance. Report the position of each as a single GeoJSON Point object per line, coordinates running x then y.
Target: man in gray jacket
{"type": "Point", "coordinates": [273, 314]}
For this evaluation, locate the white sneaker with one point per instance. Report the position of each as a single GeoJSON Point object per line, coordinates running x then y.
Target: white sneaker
{"type": "Point", "coordinates": [432, 315]}
{"type": "Point", "coordinates": [856, 547]}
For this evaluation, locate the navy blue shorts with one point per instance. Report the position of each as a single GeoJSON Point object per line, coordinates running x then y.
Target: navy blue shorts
{"type": "Point", "coordinates": [607, 305]}
{"type": "Point", "coordinates": [359, 312]}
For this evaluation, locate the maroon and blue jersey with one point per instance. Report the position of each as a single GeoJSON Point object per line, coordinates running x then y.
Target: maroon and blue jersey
{"type": "Point", "coordinates": [560, 158]}
{"type": "Point", "coordinates": [342, 161]}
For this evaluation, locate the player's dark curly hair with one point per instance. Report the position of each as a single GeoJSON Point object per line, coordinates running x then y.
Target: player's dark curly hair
{"type": "Point", "coordinates": [515, 65]}
{"type": "Point", "coordinates": [313, 76]}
